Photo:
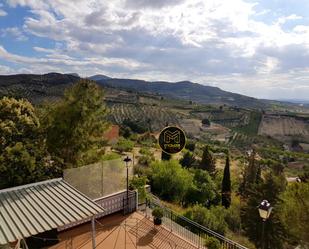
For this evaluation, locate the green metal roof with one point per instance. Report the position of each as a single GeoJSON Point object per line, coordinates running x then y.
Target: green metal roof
{"type": "Point", "coordinates": [34, 208]}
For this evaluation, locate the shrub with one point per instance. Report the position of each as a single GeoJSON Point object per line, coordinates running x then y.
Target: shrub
{"type": "Point", "coordinates": [157, 212]}
{"type": "Point", "coordinates": [110, 156]}
{"type": "Point", "coordinates": [146, 160]}
{"type": "Point", "coordinates": [139, 183]}
{"type": "Point", "coordinates": [212, 243]}
{"type": "Point", "coordinates": [232, 217]}
{"type": "Point", "coordinates": [147, 139]}
{"type": "Point", "coordinates": [169, 180]}
{"type": "Point", "coordinates": [212, 218]}
{"type": "Point", "coordinates": [123, 145]}
{"type": "Point", "coordinates": [203, 189]}
{"type": "Point", "coordinates": [135, 126]}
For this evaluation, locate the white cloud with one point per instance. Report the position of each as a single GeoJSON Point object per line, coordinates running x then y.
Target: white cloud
{"type": "Point", "coordinates": [5, 70]}
{"type": "Point", "coordinates": [59, 61]}
{"type": "Point", "coordinates": [2, 13]}
{"type": "Point", "coordinates": [44, 50]}
{"type": "Point", "coordinates": [217, 41]}
{"type": "Point", "coordinates": [14, 32]}
{"type": "Point", "coordinates": [284, 19]}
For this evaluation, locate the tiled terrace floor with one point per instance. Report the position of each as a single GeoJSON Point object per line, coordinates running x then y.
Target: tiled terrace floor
{"type": "Point", "coordinates": [122, 232]}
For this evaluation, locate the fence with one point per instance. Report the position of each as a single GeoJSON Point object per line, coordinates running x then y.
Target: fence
{"type": "Point", "coordinates": [188, 229]}
{"type": "Point", "coordinates": [98, 179]}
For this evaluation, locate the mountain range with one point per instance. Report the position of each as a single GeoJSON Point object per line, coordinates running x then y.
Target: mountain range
{"type": "Point", "coordinates": [51, 86]}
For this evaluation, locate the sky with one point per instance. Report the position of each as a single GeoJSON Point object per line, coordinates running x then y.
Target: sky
{"type": "Point", "coordinates": [258, 48]}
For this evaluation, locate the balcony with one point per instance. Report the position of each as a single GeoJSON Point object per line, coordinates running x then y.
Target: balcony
{"type": "Point", "coordinates": [117, 231]}
{"type": "Point", "coordinates": [113, 229]}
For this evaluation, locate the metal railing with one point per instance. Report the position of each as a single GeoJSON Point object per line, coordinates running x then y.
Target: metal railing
{"type": "Point", "coordinates": [112, 204]}
{"type": "Point", "coordinates": [188, 229]}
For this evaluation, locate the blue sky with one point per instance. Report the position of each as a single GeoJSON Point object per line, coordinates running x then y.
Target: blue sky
{"type": "Point", "coordinates": [257, 48]}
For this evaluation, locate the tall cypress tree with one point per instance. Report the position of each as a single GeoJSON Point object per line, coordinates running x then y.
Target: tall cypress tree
{"type": "Point", "coordinates": [226, 184]}
{"type": "Point", "coordinates": [208, 161]}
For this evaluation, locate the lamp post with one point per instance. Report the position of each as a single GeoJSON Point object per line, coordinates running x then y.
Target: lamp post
{"type": "Point", "coordinates": [264, 211]}
{"type": "Point", "coordinates": [127, 160]}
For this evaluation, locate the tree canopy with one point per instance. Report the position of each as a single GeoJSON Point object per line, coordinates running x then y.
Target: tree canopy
{"type": "Point", "coordinates": [226, 184]}
{"type": "Point", "coordinates": [170, 180]}
{"type": "Point", "coordinates": [294, 211]}
{"type": "Point", "coordinates": [23, 155]}
{"type": "Point", "coordinates": [208, 161]}
{"type": "Point", "coordinates": [77, 123]}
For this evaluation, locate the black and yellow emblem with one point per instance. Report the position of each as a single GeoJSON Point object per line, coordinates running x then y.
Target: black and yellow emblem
{"type": "Point", "coordinates": [172, 139]}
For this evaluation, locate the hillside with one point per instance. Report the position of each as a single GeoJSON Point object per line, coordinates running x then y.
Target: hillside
{"type": "Point", "coordinates": [36, 88]}
{"type": "Point", "coordinates": [50, 86]}
{"type": "Point", "coordinates": [186, 90]}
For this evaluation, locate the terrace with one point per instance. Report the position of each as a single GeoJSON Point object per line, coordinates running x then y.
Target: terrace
{"type": "Point", "coordinates": [117, 231]}
{"type": "Point", "coordinates": [81, 213]}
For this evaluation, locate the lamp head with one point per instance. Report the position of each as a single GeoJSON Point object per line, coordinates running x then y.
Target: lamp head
{"type": "Point", "coordinates": [127, 159]}
{"type": "Point", "coordinates": [264, 209]}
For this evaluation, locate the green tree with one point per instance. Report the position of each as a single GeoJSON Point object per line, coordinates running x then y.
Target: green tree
{"type": "Point", "coordinates": [251, 174]}
{"type": "Point", "coordinates": [123, 145]}
{"type": "Point", "coordinates": [203, 190]}
{"type": "Point", "coordinates": [139, 183]}
{"type": "Point", "coordinates": [75, 126]}
{"type": "Point", "coordinates": [213, 218]}
{"type": "Point", "coordinates": [169, 180]}
{"type": "Point", "coordinates": [269, 189]}
{"type": "Point", "coordinates": [226, 184]}
{"type": "Point", "coordinates": [294, 212]}
{"type": "Point", "coordinates": [208, 161]}
{"type": "Point", "coordinates": [187, 160]}
{"type": "Point", "coordinates": [23, 155]}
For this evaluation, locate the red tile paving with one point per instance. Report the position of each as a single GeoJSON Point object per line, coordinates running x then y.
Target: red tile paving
{"type": "Point", "coordinates": [122, 232]}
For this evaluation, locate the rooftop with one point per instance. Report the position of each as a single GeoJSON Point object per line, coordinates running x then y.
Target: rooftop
{"type": "Point", "coordinates": [35, 208]}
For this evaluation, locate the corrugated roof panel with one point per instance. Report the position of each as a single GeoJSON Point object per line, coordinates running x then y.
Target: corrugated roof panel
{"type": "Point", "coordinates": [56, 199]}
{"type": "Point", "coordinates": [34, 208]}
{"type": "Point", "coordinates": [79, 200]}
{"type": "Point", "coordinates": [74, 204]}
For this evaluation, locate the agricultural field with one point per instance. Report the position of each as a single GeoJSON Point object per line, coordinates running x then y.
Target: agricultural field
{"type": "Point", "coordinates": [157, 117]}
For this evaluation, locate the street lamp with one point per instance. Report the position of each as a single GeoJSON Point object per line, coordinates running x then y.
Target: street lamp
{"type": "Point", "coordinates": [264, 211]}
{"type": "Point", "coordinates": [127, 160]}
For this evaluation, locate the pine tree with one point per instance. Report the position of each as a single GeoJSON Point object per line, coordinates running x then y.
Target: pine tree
{"type": "Point", "coordinates": [226, 184]}
{"type": "Point", "coordinates": [77, 123]}
{"type": "Point", "coordinates": [208, 162]}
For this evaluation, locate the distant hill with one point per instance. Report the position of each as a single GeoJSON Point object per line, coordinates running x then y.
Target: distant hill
{"type": "Point", "coordinates": [36, 88]}
{"type": "Point", "coordinates": [186, 90]}
{"type": "Point", "coordinates": [98, 77]}
{"type": "Point", "coordinates": [51, 86]}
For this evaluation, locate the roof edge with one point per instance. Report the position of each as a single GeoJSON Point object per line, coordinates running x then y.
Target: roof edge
{"type": "Point", "coordinates": [29, 185]}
